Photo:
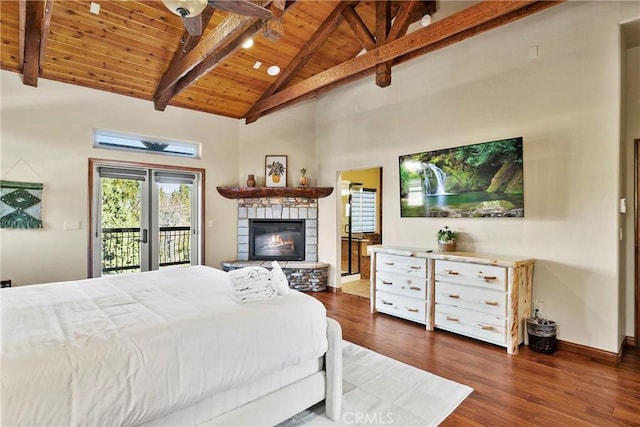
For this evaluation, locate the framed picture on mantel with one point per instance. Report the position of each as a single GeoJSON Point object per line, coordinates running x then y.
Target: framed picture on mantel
{"type": "Point", "coordinates": [275, 171]}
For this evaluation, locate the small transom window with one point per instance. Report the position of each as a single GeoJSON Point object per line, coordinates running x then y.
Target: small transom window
{"type": "Point", "coordinates": [119, 141]}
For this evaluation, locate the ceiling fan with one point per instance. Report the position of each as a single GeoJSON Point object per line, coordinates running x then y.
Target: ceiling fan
{"type": "Point", "coordinates": [190, 11]}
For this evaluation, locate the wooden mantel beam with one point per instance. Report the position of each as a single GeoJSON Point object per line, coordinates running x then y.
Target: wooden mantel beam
{"type": "Point", "coordinates": [37, 16]}
{"type": "Point", "coordinates": [327, 28]}
{"type": "Point", "coordinates": [467, 23]}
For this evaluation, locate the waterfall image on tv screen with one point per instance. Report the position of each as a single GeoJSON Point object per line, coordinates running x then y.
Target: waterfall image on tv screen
{"type": "Point", "coordinates": [483, 180]}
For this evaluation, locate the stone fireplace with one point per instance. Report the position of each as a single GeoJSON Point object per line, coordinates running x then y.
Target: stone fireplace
{"type": "Point", "coordinates": [280, 207]}
{"type": "Point", "coordinates": [284, 211]}
{"type": "Point", "coordinates": [277, 239]}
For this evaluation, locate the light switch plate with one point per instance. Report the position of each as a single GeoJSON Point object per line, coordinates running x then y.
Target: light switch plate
{"type": "Point", "coordinates": [72, 225]}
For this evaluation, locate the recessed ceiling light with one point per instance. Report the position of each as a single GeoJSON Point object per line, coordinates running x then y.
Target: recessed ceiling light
{"type": "Point", "coordinates": [94, 8]}
{"type": "Point", "coordinates": [247, 44]}
{"type": "Point", "coordinates": [274, 70]}
{"type": "Point", "coordinates": [257, 65]}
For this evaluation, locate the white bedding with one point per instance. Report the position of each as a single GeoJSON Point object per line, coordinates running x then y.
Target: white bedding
{"type": "Point", "coordinates": [122, 350]}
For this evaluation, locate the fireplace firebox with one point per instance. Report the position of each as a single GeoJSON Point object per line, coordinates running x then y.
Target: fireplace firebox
{"type": "Point", "coordinates": [277, 239]}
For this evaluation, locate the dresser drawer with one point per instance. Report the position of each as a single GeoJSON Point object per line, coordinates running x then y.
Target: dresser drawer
{"type": "Point", "coordinates": [475, 325]}
{"type": "Point", "coordinates": [478, 299]}
{"type": "Point", "coordinates": [402, 264]}
{"type": "Point", "coordinates": [485, 276]}
{"type": "Point", "coordinates": [401, 284]}
{"type": "Point", "coordinates": [401, 306]}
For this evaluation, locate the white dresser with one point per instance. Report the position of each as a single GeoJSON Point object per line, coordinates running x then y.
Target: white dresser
{"type": "Point", "coordinates": [481, 297]}
{"type": "Point", "coordinates": [401, 286]}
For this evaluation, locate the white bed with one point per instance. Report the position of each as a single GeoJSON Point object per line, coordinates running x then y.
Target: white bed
{"type": "Point", "coordinates": [167, 347]}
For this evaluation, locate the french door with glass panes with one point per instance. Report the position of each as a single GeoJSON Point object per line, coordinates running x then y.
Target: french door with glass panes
{"type": "Point", "coordinates": [144, 218]}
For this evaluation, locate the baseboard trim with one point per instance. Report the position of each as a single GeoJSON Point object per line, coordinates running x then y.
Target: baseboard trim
{"type": "Point", "coordinates": [630, 341]}
{"type": "Point", "coordinates": [333, 289]}
{"type": "Point", "coordinates": [593, 353]}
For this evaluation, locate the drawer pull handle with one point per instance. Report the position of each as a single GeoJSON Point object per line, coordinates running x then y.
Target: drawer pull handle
{"type": "Point", "coordinates": [412, 310]}
{"type": "Point", "coordinates": [486, 278]}
{"type": "Point", "coordinates": [451, 272]}
{"type": "Point", "coordinates": [485, 327]}
{"type": "Point", "coordinates": [387, 303]}
{"type": "Point", "coordinates": [415, 288]}
{"type": "Point", "coordinates": [384, 282]}
{"type": "Point", "coordinates": [489, 302]}
{"type": "Point", "coordinates": [415, 267]}
{"type": "Point", "coordinates": [452, 296]}
{"type": "Point", "coordinates": [451, 318]}
{"type": "Point", "coordinates": [389, 263]}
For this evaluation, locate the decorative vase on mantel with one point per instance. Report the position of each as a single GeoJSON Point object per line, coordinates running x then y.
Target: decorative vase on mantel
{"type": "Point", "coordinates": [251, 181]}
{"type": "Point", "coordinates": [303, 177]}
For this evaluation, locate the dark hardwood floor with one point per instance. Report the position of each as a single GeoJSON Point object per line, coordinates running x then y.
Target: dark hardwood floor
{"type": "Point", "coordinates": [528, 389]}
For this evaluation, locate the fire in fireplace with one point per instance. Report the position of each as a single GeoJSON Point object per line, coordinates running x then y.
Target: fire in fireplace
{"type": "Point", "coordinates": [277, 239]}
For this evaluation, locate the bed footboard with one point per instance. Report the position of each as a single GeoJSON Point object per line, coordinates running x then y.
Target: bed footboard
{"type": "Point", "coordinates": [333, 367]}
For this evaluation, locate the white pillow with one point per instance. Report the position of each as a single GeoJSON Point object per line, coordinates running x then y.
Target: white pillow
{"type": "Point", "coordinates": [279, 279]}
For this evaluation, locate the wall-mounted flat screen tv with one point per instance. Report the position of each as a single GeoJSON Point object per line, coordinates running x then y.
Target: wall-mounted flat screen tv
{"type": "Point", "coordinates": [483, 180]}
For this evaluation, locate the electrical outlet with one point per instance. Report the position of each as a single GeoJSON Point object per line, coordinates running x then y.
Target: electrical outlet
{"type": "Point", "coordinates": [537, 307]}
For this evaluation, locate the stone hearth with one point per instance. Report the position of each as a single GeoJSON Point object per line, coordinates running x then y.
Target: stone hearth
{"type": "Point", "coordinates": [302, 275]}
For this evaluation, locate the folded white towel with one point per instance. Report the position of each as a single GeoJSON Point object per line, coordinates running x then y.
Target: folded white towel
{"type": "Point", "coordinates": [250, 284]}
{"type": "Point", "coordinates": [279, 279]}
{"type": "Point", "coordinates": [265, 293]}
{"type": "Point", "coordinates": [249, 287]}
{"type": "Point", "coordinates": [244, 275]}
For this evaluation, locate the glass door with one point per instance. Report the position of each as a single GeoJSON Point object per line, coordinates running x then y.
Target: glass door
{"type": "Point", "coordinates": [175, 229]}
{"type": "Point", "coordinates": [144, 219]}
{"type": "Point", "coordinates": [350, 239]}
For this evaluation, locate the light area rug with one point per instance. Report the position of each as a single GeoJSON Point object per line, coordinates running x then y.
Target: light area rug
{"type": "Point", "coordinates": [378, 390]}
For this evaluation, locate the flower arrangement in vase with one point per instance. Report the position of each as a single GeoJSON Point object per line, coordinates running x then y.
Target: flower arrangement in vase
{"type": "Point", "coordinates": [447, 239]}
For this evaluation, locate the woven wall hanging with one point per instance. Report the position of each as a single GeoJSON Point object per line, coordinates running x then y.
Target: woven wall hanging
{"type": "Point", "coordinates": [20, 204]}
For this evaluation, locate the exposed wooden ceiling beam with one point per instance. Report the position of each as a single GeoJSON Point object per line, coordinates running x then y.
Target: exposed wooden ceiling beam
{"type": "Point", "coordinates": [22, 23]}
{"type": "Point", "coordinates": [402, 20]}
{"type": "Point", "coordinates": [467, 23]}
{"type": "Point", "coordinates": [34, 26]}
{"type": "Point", "coordinates": [383, 24]}
{"type": "Point", "coordinates": [188, 41]}
{"type": "Point", "coordinates": [399, 28]}
{"type": "Point", "coordinates": [274, 27]}
{"type": "Point", "coordinates": [327, 28]}
{"type": "Point", "coordinates": [224, 36]}
{"type": "Point", "coordinates": [46, 23]}
{"type": "Point", "coordinates": [359, 28]}
{"type": "Point", "coordinates": [227, 37]}
{"type": "Point", "coordinates": [251, 28]}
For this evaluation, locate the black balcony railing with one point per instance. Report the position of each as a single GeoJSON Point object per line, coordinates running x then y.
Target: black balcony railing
{"type": "Point", "coordinates": [121, 248]}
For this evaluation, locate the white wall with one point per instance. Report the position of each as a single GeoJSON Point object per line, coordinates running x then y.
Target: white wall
{"type": "Point", "coordinates": [46, 137]}
{"type": "Point", "coordinates": [289, 132]}
{"type": "Point", "coordinates": [631, 132]}
{"type": "Point", "coordinates": [566, 105]}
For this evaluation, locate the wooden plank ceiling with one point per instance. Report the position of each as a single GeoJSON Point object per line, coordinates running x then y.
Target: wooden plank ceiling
{"type": "Point", "coordinates": [139, 48]}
